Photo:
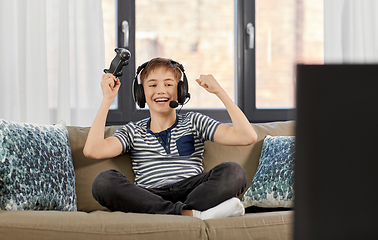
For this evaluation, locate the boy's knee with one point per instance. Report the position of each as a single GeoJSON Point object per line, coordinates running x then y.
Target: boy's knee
{"type": "Point", "coordinates": [234, 175]}
{"type": "Point", "coordinates": [234, 169]}
{"type": "Point", "coordinates": [102, 184]}
{"type": "Point", "coordinates": [238, 174]}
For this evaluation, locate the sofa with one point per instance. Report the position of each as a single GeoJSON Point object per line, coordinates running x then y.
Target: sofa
{"type": "Point", "coordinates": [92, 221]}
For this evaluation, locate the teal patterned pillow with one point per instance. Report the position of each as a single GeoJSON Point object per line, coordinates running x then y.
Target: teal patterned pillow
{"type": "Point", "coordinates": [36, 169]}
{"type": "Point", "coordinates": [272, 185]}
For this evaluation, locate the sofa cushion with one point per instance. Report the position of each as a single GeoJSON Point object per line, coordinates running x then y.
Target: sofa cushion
{"type": "Point", "coordinates": [36, 168]}
{"type": "Point", "coordinates": [267, 226]}
{"type": "Point", "coordinates": [98, 225]}
{"type": "Point", "coordinates": [87, 169]}
{"type": "Point", "coordinates": [272, 185]}
{"type": "Point", "coordinates": [246, 156]}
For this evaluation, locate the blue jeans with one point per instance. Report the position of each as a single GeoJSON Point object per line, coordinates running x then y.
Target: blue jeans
{"type": "Point", "coordinates": [201, 192]}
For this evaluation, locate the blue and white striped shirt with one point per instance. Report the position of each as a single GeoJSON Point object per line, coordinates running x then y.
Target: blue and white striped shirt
{"type": "Point", "coordinates": [153, 165]}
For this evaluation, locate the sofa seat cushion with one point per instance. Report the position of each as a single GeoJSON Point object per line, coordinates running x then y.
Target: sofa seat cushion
{"type": "Point", "coordinates": [98, 225]}
{"type": "Point", "coordinates": [267, 226]}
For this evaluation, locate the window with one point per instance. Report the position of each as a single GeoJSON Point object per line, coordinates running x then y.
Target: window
{"type": "Point", "coordinates": [212, 37]}
{"type": "Point", "coordinates": [286, 33]}
{"type": "Point", "coordinates": [198, 34]}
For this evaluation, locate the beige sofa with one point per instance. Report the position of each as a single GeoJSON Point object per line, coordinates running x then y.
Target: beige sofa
{"type": "Point", "coordinates": [93, 221]}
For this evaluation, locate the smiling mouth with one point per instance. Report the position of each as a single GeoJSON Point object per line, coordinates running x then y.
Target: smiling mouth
{"type": "Point", "coordinates": [161, 100]}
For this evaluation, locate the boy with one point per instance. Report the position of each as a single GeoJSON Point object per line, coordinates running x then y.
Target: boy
{"type": "Point", "coordinates": [167, 149]}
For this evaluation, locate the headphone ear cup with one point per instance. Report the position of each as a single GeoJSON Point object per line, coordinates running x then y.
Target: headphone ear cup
{"type": "Point", "coordinates": [138, 91]}
{"type": "Point", "coordinates": [139, 97]}
{"type": "Point", "coordinates": [181, 92]}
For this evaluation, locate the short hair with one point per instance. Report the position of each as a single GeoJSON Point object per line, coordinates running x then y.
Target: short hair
{"type": "Point", "coordinates": [161, 62]}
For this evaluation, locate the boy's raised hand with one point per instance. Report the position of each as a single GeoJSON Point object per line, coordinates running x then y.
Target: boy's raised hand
{"type": "Point", "coordinates": [209, 83]}
{"type": "Point", "coordinates": [241, 133]}
{"type": "Point", "coordinates": [109, 90]}
{"type": "Point", "coordinates": [97, 146]}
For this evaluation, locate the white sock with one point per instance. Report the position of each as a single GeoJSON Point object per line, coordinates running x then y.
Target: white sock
{"type": "Point", "coordinates": [230, 208]}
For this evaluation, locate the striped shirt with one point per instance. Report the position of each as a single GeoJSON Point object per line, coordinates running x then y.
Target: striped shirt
{"type": "Point", "coordinates": [155, 166]}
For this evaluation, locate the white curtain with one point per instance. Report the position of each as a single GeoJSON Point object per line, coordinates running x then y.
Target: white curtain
{"type": "Point", "coordinates": [351, 31]}
{"type": "Point", "coordinates": [51, 60]}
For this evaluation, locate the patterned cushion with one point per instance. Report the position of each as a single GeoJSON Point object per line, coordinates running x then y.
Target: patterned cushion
{"type": "Point", "coordinates": [272, 185]}
{"type": "Point", "coordinates": [36, 169]}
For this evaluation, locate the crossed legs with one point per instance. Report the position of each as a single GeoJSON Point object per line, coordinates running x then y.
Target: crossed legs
{"type": "Point", "coordinates": [216, 189]}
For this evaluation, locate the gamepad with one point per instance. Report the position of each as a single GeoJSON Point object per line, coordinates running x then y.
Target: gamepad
{"type": "Point", "coordinates": [119, 61]}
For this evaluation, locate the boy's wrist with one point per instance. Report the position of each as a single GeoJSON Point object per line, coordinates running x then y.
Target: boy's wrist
{"type": "Point", "coordinates": [221, 93]}
{"type": "Point", "coordinates": [107, 101]}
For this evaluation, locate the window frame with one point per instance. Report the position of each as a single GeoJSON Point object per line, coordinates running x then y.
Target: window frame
{"type": "Point", "coordinates": [245, 87]}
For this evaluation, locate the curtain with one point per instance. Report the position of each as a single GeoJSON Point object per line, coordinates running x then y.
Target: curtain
{"type": "Point", "coordinates": [351, 31]}
{"type": "Point", "coordinates": [51, 60]}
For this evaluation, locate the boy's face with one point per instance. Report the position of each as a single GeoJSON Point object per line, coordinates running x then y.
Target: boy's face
{"type": "Point", "coordinates": [160, 88]}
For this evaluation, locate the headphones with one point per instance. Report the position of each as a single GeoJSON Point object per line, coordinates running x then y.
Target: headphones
{"type": "Point", "coordinates": [183, 94]}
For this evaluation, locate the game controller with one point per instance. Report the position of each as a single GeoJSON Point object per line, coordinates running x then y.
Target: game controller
{"type": "Point", "coordinates": [119, 61]}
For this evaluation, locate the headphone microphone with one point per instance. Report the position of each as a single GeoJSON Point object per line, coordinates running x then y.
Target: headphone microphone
{"type": "Point", "coordinates": [173, 104]}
